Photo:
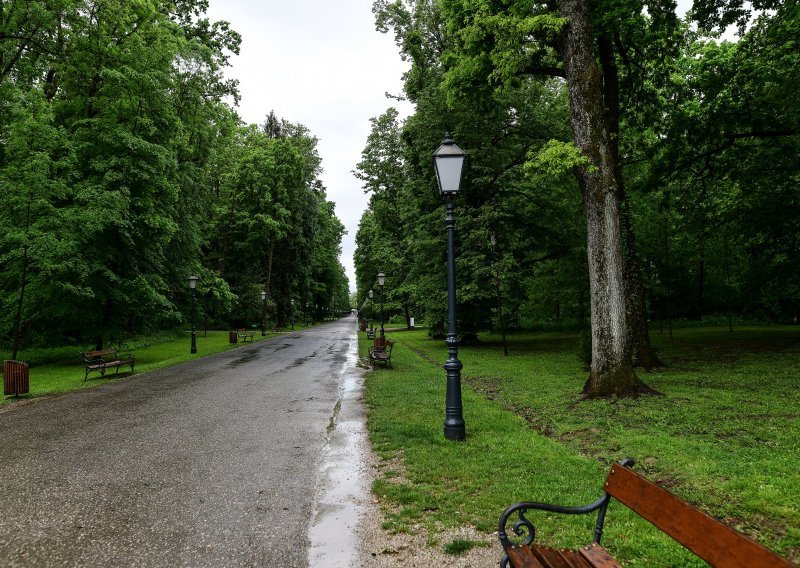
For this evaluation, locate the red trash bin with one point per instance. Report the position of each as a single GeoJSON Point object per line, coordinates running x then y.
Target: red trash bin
{"type": "Point", "coordinates": [15, 378]}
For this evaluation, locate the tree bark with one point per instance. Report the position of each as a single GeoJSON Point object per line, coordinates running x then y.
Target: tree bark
{"type": "Point", "coordinates": [612, 370]}
{"type": "Point", "coordinates": [643, 354]}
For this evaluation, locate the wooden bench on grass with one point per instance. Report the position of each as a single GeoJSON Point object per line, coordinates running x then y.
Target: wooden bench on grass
{"type": "Point", "coordinates": [381, 351]}
{"type": "Point", "coordinates": [104, 359]}
{"type": "Point", "coordinates": [245, 334]}
{"type": "Point", "coordinates": [714, 542]}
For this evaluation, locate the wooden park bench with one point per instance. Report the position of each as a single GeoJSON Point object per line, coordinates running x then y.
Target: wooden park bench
{"type": "Point", "coordinates": [371, 333]}
{"type": "Point", "coordinates": [245, 334]}
{"type": "Point", "coordinates": [105, 359]}
{"type": "Point", "coordinates": [381, 351]}
{"type": "Point", "coordinates": [706, 537]}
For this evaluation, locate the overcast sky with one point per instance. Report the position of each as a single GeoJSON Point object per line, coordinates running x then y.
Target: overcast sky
{"type": "Point", "coordinates": [322, 64]}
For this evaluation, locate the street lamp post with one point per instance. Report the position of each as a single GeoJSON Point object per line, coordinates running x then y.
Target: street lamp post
{"type": "Point", "coordinates": [192, 286]}
{"type": "Point", "coordinates": [371, 331]}
{"type": "Point", "coordinates": [263, 313]}
{"type": "Point", "coordinates": [292, 303]}
{"type": "Point", "coordinates": [448, 161]}
{"type": "Point", "coordinates": [381, 282]}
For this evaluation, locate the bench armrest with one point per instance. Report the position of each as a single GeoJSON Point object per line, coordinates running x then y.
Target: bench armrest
{"type": "Point", "coordinates": [122, 356]}
{"type": "Point", "coordinates": [523, 525]}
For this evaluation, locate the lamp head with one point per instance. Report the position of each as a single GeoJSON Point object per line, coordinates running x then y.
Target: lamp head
{"type": "Point", "coordinates": [381, 278]}
{"type": "Point", "coordinates": [193, 282]}
{"type": "Point", "coordinates": [448, 160]}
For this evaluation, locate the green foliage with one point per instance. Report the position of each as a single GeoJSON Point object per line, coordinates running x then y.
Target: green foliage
{"type": "Point", "coordinates": [124, 170]}
{"type": "Point", "coordinates": [708, 146]}
{"type": "Point", "coordinates": [557, 158]}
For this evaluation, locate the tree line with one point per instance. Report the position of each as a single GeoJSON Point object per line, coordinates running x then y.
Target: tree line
{"type": "Point", "coordinates": [625, 166]}
{"type": "Point", "coordinates": [124, 168]}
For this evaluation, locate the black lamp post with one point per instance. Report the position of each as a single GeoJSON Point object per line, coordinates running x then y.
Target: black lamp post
{"type": "Point", "coordinates": [371, 332]}
{"type": "Point", "coordinates": [448, 161]}
{"type": "Point", "coordinates": [192, 286]}
{"type": "Point", "coordinates": [292, 308]}
{"type": "Point", "coordinates": [263, 313]}
{"type": "Point", "coordinates": [381, 282]}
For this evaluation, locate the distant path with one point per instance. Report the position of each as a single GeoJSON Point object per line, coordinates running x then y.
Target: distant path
{"type": "Point", "coordinates": [209, 463]}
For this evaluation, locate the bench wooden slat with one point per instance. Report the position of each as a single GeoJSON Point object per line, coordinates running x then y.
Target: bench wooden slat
{"type": "Point", "coordinates": [100, 353]}
{"type": "Point", "coordinates": [553, 558]}
{"type": "Point", "coordinates": [522, 557]}
{"type": "Point", "coordinates": [598, 556]}
{"type": "Point", "coordinates": [536, 556]}
{"type": "Point", "coordinates": [712, 541]}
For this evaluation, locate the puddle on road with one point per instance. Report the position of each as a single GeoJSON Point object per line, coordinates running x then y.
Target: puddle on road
{"type": "Point", "coordinates": [343, 489]}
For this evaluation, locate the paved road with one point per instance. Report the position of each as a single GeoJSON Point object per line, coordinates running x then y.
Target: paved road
{"type": "Point", "coordinates": [210, 463]}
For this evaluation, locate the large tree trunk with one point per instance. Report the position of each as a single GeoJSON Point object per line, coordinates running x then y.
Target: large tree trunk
{"type": "Point", "coordinates": [643, 354]}
{"type": "Point", "coordinates": [612, 363]}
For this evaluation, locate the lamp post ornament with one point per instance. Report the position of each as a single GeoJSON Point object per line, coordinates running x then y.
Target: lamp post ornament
{"type": "Point", "coordinates": [448, 162]}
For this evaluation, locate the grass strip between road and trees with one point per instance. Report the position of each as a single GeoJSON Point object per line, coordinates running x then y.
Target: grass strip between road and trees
{"type": "Point", "coordinates": [725, 437]}
{"type": "Point", "coordinates": [59, 370]}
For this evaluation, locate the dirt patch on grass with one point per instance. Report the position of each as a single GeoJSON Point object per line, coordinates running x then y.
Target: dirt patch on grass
{"type": "Point", "coordinates": [417, 546]}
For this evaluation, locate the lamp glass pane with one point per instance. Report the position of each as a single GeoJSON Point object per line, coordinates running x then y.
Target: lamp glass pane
{"type": "Point", "coordinates": [448, 170]}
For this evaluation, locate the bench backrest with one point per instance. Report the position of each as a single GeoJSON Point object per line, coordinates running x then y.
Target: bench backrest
{"type": "Point", "coordinates": [97, 354]}
{"type": "Point", "coordinates": [380, 341]}
{"type": "Point", "coordinates": [709, 539]}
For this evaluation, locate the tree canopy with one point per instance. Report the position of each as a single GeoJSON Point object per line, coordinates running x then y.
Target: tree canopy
{"type": "Point", "coordinates": [124, 169]}
{"type": "Point", "coordinates": [623, 165]}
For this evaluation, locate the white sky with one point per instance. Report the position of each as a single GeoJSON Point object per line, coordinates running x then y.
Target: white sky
{"type": "Point", "coordinates": [322, 64]}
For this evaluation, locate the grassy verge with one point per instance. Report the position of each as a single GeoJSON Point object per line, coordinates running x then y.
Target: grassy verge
{"type": "Point", "coordinates": [60, 369]}
{"type": "Point", "coordinates": [726, 437]}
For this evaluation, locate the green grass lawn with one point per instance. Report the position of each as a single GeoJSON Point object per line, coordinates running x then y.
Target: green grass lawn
{"type": "Point", "coordinates": [61, 369]}
{"type": "Point", "coordinates": [725, 436]}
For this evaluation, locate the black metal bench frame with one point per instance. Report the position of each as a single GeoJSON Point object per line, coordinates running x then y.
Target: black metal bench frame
{"type": "Point", "coordinates": [104, 359]}
{"type": "Point", "coordinates": [382, 354]}
{"type": "Point", "coordinates": [244, 334]}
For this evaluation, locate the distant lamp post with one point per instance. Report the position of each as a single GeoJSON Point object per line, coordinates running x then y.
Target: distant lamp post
{"type": "Point", "coordinates": [193, 286]}
{"type": "Point", "coordinates": [448, 161]}
{"type": "Point", "coordinates": [292, 304]}
{"type": "Point", "coordinates": [371, 332]}
{"type": "Point", "coordinates": [381, 282]}
{"type": "Point", "coordinates": [263, 313]}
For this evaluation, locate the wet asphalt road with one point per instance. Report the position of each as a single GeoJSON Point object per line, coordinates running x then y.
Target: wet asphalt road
{"type": "Point", "coordinates": [210, 463]}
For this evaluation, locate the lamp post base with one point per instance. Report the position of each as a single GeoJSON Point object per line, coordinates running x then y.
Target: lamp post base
{"type": "Point", "coordinates": [455, 432]}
